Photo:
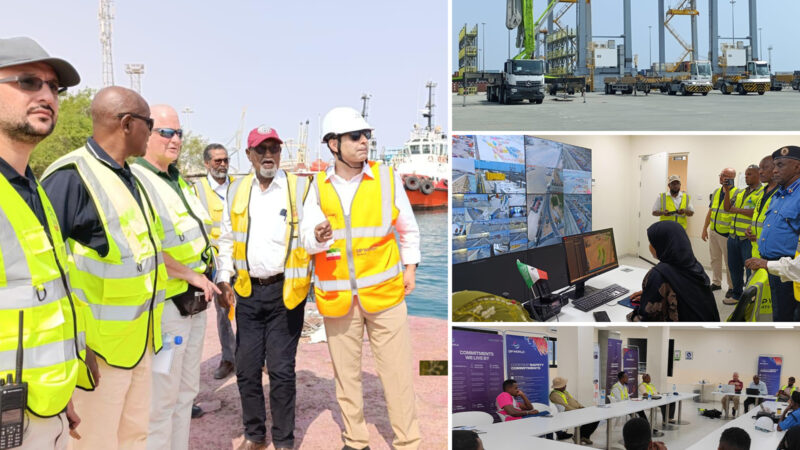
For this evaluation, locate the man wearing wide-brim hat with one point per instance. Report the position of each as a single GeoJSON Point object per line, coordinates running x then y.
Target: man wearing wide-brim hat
{"type": "Point", "coordinates": [560, 396]}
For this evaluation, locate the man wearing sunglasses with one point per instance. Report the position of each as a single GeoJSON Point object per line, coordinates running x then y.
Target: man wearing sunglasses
{"type": "Point", "coordinates": [348, 225]}
{"type": "Point", "coordinates": [259, 247]}
{"type": "Point", "coordinates": [185, 224]}
{"type": "Point", "coordinates": [34, 264]}
{"type": "Point", "coordinates": [213, 191]}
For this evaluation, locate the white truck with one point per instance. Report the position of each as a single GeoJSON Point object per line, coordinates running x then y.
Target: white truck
{"type": "Point", "coordinates": [756, 78]}
{"type": "Point", "coordinates": [690, 77]}
{"type": "Point", "coordinates": [521, 79]}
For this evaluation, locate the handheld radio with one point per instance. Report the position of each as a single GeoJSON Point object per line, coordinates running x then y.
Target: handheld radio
{"type": "Point", "coordinates": [13, 401]}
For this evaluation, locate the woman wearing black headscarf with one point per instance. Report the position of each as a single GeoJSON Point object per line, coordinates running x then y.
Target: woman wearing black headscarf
{"type": "Point", "coordinates": [677, 288]}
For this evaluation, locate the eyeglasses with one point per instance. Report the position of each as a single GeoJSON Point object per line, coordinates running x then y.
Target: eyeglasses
{"type": "Point", "coordinates": [147, 120]}
{"type": "Point", "coordinates": [34, 84]}
{"type": "Point", "coordinates": [272, 150]}
{"type": "Point", "coordinates": [220, 161]}
{"type": "Point", "coordinates": [356, 135]}
{"type": "Point", "coordinates": [169, 132]}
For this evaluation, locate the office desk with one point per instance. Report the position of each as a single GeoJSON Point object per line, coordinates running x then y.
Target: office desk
{"type": "Point", "coordinates": [510, 434]}
{"type": "Point", "coordinates": [743, 396]}
{"type": "Point", "coordinates": [499, 441]}
{"type": "Point", "coordinates": [758, 439]}
{"type": "Point", "coordinates": [626, 276]}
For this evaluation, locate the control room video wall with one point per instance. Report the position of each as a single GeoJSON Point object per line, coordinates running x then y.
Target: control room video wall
{"type": "Point", "coordinates": [512, 193]}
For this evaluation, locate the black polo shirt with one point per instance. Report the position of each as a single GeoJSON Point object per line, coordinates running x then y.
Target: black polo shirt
{"type": "Point", "coordinates": [26, 188]}
{"type": "Point", "coordinates": [74, 206]}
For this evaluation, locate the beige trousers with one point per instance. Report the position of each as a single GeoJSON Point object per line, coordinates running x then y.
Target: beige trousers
{"type": "Point", "coordinates": [718, 245]}
{"type": "Point", "coordinates": [171, 406]}
{"type": "Point", "coordinates": [391, 344]}
{"type": "Point", "coordinates": [115, 415]}
{"type": "Point", "coordinates": [728, 399]}
{"type": "Point", "coordinates": [45, 433]}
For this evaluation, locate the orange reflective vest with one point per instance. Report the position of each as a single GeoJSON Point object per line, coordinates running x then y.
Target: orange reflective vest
{"type": "Point", "coordinates": [364, 258]}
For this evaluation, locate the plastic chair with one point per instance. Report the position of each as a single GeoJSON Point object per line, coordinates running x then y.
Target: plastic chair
{"type": "Point", "coordinates": [472, 419]}
{"type": "Point", "coordinates": [746, 301]}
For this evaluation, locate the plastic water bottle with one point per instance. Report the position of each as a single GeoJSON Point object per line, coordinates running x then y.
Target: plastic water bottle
{"type": "Point", "coordinates": [719, 388]}
{"type": "Point", "coordinates": [162, 361]}
{"type": "Point", "coordinates": [675, 389]}
{"type": "Point", "coordinates": [169, 341]}
{"type": "Point", "coordinates": [602, 398]}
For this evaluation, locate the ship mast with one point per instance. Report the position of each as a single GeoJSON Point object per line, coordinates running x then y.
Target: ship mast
{"type": "Point", "coordinates": [428, 112]}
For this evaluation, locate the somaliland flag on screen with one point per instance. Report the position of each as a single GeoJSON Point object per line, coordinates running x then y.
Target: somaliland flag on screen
{"type": "Point", "coordinates": [530, 274]}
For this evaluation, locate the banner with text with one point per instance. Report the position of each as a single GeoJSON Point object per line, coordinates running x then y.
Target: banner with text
{"type": "Point", "coordinates": [613, 362]}
{"type": "Point", "coordinates": [476, 370]}
{"type": "Point", "coordinates": [630, 364]}
{"type": "Point", "coordinates": [769, 371]}
{"type": "Point", "coordinates": [527, 363]}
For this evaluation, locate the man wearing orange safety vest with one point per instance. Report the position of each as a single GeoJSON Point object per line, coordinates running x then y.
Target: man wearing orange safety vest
{"type": "Point", "coordinates": [348, 224]}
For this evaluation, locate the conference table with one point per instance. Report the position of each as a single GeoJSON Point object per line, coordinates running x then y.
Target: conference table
{"type": "Point", "coordinates": [758, 439]}
{"type": "Point", "coordinates": [625, 276]}
{"type": "Point", "coordinates": [741, 403]}
{"type": "Point", "coordinates": [511, 434]}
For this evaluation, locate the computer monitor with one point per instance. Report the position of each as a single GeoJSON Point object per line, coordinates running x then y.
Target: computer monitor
{"type": "Point", "coordinates": [588, 255]}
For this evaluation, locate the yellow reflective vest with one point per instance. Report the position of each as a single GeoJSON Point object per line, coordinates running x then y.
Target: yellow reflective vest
{"type": "Point", "coordinates": [297, 271]}
{"type": "Point", "coordinates": [33, 280]}
{"type": "Point", "coordinates": [651, 390]}
{"type": "Point", "coordinates": [123, 290]}
{"type": "Point", "coordinates": [783, 388]}
{"type": "Point", "coordinates": [721, 220]}
{"type": "Point", "coordinates": [364, 258]}
{"type": "Point", "coordinates": [667, 205]}
{"type": "Point", "coordinates": [763, 301]}
{"type": "Point", "coordinates": [740, 222]}
{"type": "Point", "coordinates": [213, 204]}
{"type": "Point", "coordinates": [183, 219]}
{"type": "Point", "coordinates": [762, 208]}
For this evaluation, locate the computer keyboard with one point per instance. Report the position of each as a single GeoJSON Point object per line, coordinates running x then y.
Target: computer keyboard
{"type": "Point", "coordinates": [600, 297]}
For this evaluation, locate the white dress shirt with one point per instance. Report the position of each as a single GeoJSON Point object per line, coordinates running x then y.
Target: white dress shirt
{"type": "Point", "coordinates": [266, 246]}
{"type": "Point", "coordinates": [676, 200]}
{"type": "Point", "coordinates": [220, 189]}
{"type": "Point", "coordinates": [406, 225]}
{"type": "Point", "coordinates": [787, 268]}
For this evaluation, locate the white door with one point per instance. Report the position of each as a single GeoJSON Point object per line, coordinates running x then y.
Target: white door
{"type": "Point", "coordinates": [652, 182]}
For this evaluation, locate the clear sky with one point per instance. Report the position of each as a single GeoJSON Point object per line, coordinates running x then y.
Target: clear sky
{"type": "Point", "coordinates": [777, 18]}
{"type": "Point", "coordinates": [284, 61]}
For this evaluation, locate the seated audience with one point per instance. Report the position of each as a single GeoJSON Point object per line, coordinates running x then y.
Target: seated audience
{"type": "Point", "coordinates": [791, 415]}
{"type": "Point", "coordinates": [620, 392]}
{"type": "Point", "coordinates": [636, 436]}
{"type": "Point", "coordinates": [734, 438]}
{"type": "Point", "coordinates": [560, 396]}
{"type": "Point", "coordinates": [646, 388]}
{"type": "Point", "coordinates": [507, 405]}
{"type": "Point", "coordinates": [737, 388]}
{"type": "Point", "coordinates": [762, 390]}
{"type": "Point", "coordinates": [466, 440]}
{"type": "Point", "coordinates": [791, 440]}
{"type": "Point", "coordinates": [785, 392]}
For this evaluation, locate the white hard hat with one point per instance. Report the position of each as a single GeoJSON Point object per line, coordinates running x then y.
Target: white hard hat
{"type": "Point", "coordinates": [765, 424]}
{"type": "Point", "coordinates": [341, 120]}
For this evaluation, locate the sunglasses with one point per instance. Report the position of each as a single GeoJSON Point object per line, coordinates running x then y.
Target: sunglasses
{"type": "Point", "coordinates": [356, 135]}
{"type": "Point", "coordinates": [272, 150]}
{"type": "Point", "coordinates": [34, 84]}
{"type": "Point", "coordinates": [169, 132]}
{"type": "Point", "coordinates": [147, 120]}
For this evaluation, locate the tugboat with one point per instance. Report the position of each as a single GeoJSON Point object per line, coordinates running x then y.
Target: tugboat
{"type": "Point", "coordinates": [424, 163]}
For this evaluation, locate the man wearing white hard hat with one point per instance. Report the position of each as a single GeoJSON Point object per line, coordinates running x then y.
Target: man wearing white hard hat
{"type": "Point", "coordinates": [348, 225]}
{"type": "Point", "coordinates": [674, 205]}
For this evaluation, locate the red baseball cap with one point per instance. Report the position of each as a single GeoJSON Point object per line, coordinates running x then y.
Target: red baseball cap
{"type": "Point", "coordinates": [261, 134]}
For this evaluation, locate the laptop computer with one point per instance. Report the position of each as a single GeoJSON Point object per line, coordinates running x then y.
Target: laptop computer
{"type": "Point", "coordinates": [753, 391]}
{"type": "Point", "coordinates": [728, 388]}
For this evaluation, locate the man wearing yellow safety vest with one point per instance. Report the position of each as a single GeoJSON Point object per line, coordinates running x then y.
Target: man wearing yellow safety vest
{"type": "Point", "coordinates": [259, 247]}
{"type": "Point", "coordinates": [619, 391]}
{"type": "Point", "coordinates": [785, 392]}
{"type": "Point", "coordinates": [720, 222]}
{"type": "Point", "coordinates": [560, 396]}
{"type": "Point", "coordinates": [116, 266]}
{"type": "Point", "coordinates": [740, 205]}
{"type": "Point", "coordinates": [33, 266]}
{"type": "Point", "coordinates": [349, 222]}
{"type": "Point", "coordinates": [646, 387]}
{"type": "Point", "coordinates": [778, 241]}
{"type": "Point", "coordinates": [212, 190]}
{"type": "Point", "coordinates": [674, 205]}
{"type": "Point", "coordinates": [185, 224]}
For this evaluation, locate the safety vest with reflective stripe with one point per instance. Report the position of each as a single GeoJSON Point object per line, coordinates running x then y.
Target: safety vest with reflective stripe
{"type": "Point", "coordinates": [762, 304]}
{"type": "Point", "coordinates": [758, 221]}
{"type": "Point", "coordinates": [364, 258]}
{"type": "Point", "coordinates": [213, 204]}
{"type": "Point", "coordinates": [783, 388]}
{"type": "Point", "coordinates": [32, 281]}
{"type": "Point", "coordinates": [183, 222]}
{"type": "Point", "coordinates": [651, 390]}
{"type": "Point", "coordinates": [721, 220]}
{"type": "Point", "coordinates": [620, 391]}
{"type": "Point", "coordinates": [297, 271]}
{"type": "Point", "coordinates": [741, 222]}
{"type": "Point", "coordinates": [124, 290]}
{"type": "Point", "coordinates": [563, 396]}
{"type": "Point", "coordinates": [667, 205]}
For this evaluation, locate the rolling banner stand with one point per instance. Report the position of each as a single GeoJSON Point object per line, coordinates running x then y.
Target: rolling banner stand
{"type": "Point", "coordinates": [769, 371]}
{"type": "Point", "coordinates": [630, 364]}
{"type": "Point", "coordinates": [477, 371]}
{"type": "Point", "coordinates": [527, 363]}
{"type": "Point", "coordinates": [613, 363]}
{"type": "Point", "coordinates": [596, 377]}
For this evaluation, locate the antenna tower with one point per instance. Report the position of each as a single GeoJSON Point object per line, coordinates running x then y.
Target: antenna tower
{"type": "Point", "coordinates": [105, 16]}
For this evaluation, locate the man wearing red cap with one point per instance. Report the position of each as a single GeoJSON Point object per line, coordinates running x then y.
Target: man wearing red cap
{"type": "Point", "coordinates": [258, 247]}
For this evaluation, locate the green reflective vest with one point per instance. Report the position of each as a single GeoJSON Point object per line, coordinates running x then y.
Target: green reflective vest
{"type": "Point", "coordinates": [791, 391]}
{"type": "Point", "coordinates": [123, 290]}
{"type": "Point", "coordinates": [720, 220]}
{"type": "Point", "coordinates": [667, 205]}
{"type": "Point", "coordinates": [33, 280]}
{"type": "Point", "coordinates": [183, 221]}
{"type": "Point", "coordinates": [762, 208]}
{"type": "Point", "coordinates": [651, 390]}
{"type": "Point", "coordinates": [213, 204]}
{"type": "Point", "coordinates": [743, 200]}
